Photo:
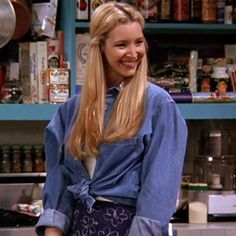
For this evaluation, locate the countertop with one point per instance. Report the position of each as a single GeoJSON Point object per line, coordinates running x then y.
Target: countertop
{"type": "Point", "coordinates": [209, 229]}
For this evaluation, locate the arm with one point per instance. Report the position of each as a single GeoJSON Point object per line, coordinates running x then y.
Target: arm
{"type": "Point", "coordinates": [53, 232]}
{"type": "Point", "coordinates": [161, 171]}
{"type": "Point", "coordinates": [57, 200]}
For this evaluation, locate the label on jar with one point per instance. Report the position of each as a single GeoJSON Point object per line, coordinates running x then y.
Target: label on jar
{"type": "Point", "coordinates": [58, 76]}
{"type": "Point", "coordinates": [58, 94]}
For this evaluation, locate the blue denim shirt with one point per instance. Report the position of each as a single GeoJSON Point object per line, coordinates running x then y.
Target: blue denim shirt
{"type": "Point", "coordinates": [144, 171]}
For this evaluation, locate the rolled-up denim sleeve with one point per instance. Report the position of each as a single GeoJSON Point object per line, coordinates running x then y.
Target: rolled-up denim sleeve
{"type": "Point", "coordinates": [57, 200]}
{"type": "Point", "coordinates": [161, 171]}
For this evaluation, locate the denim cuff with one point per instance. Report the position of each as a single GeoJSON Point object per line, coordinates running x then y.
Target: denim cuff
{"type": "Point", "coordinates": [144, 226]}
{"type": "Point", "coordinates": [52, 218]}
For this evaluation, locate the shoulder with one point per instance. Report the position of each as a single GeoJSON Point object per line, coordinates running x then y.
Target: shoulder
{"type": "Point", "coordinates": [71, 104]}
{"type": "Point", "coordinates": [157, 94]}
{"type": "Point", "coordinates": [67, 111]}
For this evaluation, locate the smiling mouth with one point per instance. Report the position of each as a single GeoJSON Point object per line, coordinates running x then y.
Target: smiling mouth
{"type": "Point", "coordinates": [129, 63]}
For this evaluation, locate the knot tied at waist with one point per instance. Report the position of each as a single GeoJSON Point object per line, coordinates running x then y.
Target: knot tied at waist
{"type": "Point", "coordinates": [81, 192]}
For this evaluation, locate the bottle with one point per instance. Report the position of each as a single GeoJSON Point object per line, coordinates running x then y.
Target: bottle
{"type": "Point", "coordinates": [197, 203]}
{"type": "Point", "coordinates": [228, 12]}
{"type": "Point", "coordinates": [165, 7]}
{"type": "Point", "coordinates": [16, 159]}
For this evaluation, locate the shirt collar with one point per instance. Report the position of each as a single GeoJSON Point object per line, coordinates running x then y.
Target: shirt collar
{"type": "Point", "coordinates": [114, 90]}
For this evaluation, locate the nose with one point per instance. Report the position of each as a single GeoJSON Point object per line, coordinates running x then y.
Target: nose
{"type": "Point", "coordinates": [132, 52]}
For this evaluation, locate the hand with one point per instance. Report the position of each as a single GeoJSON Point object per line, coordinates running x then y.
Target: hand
{"type": "Point", "coordinates": [50, 231]}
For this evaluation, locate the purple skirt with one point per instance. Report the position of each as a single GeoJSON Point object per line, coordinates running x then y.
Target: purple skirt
{"type": "Point", "coordinates": [105, 219]}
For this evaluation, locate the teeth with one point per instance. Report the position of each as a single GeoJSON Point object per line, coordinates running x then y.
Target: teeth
{"type": "Point", "coordinates": [129, 63]}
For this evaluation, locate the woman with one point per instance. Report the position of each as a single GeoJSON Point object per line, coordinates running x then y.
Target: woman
{"type": "Point", "coordinates": [114, 153]}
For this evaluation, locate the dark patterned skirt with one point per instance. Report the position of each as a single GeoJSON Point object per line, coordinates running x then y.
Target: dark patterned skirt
{"type": "Point", "coordinates": [105, 219]}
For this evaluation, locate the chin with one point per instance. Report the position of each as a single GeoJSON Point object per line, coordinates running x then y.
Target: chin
{"type": "Point", "coordinates": [130, 73]}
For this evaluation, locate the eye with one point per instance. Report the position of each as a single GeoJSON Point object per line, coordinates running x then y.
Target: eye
{"type": "Point", "coordinates": [139, 42]}
{"type": "Point", "coordinates": [121, 45]}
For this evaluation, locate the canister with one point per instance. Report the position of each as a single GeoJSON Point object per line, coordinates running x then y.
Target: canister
{"type": "Point", "coordinates": [197, 203]}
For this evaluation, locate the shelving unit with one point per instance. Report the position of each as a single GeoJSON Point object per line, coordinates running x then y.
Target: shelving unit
{"type": "Point", "coordinates": [67, 14]}
{"type": "Point", "coordinates": [44, 112]}
{"type": "Point", "coordinates": [67, 23]}
{"type": "Point", "coordinates": [27, 112]}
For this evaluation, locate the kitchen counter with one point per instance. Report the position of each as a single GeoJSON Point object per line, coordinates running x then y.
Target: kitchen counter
{"type": "Point", "coordinates": [176, 229]}
{"type": "Point", "coordinates": [209, 229]}
{"type": "Point", "coordinates": [17, 231]}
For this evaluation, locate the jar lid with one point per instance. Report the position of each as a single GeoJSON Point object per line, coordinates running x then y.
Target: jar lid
{"type": "Point", "coordinates": [5, 146]}
{"type": "Point", "coordinates": [198, 186]}
{"type": "Point", "coordinates": [27, 147]}
{"type": "Point", "coordinates": [16, 146]}
{"type": "Point", "coordinates": [38, 146]}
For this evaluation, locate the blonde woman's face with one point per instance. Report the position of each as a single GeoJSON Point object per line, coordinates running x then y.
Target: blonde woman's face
{"type": "Point", "coordinates": [123, 50]}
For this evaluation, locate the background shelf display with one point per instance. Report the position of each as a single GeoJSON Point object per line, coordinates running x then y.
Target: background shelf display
{"type": "Point", "coordinates": [67, 23]}
{"type": "Point", "coordinates": [70, 26]}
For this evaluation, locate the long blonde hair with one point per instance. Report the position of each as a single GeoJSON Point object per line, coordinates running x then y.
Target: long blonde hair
{"type": "Point", "coordinates": [89, 130]}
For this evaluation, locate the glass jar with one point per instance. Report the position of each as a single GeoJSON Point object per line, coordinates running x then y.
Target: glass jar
{"type": "Point", "coordinates": [217, 172]}
{"type": "Point", "coordinates": [27, 165]}
{"type": "Point", "coordinates": [220, 80]}
{"type": "Point", "coordinates": [12, 92]}
{"type": "Point", "coordinates": [16, 159]}
{"type": "Point", "coordinates": [38, 158]}
{"type": "Point", "coordinates": [5, 164]}
{"type": "Point", "coordinates": [197, 203]}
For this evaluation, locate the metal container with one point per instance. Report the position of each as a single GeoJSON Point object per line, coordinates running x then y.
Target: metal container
{"type": "Point", "coordinates": [214, 142]}
{"type": "Point", "coordinates": [7, 22]}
